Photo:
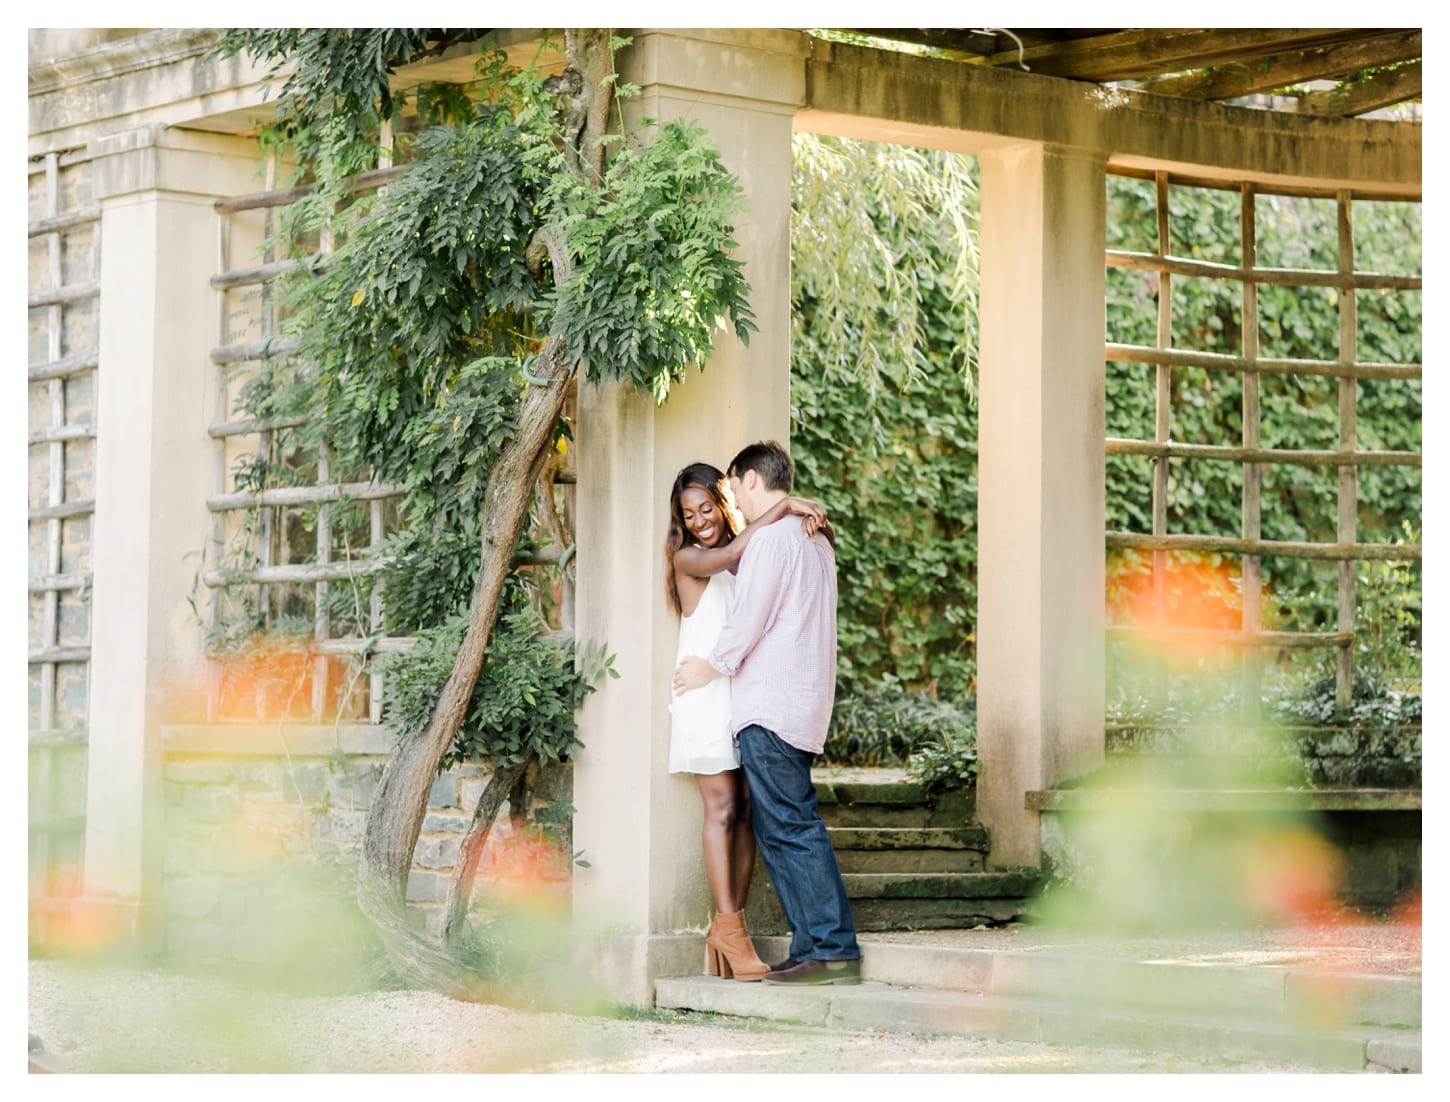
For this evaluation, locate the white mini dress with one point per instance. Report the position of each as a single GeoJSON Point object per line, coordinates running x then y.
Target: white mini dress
{"type": "Point", "coordinates": [700, 737]}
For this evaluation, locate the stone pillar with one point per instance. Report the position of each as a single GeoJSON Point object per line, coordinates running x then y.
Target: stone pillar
{"type": "Point", "coordinates": [1040, 619]}
{"type": "Point", "coordinates": [153, 465]}
{"type": "Point", "coordinates": [639, 827]}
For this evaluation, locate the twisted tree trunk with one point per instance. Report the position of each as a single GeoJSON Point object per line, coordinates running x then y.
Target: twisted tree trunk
{"type": "Point", "coordinates": [396, 813]}
{"type": "Point", "coordinates": [499, 788]}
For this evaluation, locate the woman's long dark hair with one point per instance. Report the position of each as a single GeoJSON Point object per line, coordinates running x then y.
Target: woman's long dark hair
{"type": "Point", "coordinates": [712, 481]}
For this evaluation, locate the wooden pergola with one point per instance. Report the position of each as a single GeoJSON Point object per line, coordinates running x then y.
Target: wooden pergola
{"type": "Point", "coordinates": [1337, 73]}
{"type": "Point", "coordinates": [169, 179]}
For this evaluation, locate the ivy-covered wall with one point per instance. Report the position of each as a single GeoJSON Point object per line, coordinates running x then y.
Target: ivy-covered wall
{"type": "Point", "coordinates": [892, 451]}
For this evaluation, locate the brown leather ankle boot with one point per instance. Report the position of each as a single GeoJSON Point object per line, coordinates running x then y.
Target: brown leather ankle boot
{"type": "Point", "coordinates": [730, 951]}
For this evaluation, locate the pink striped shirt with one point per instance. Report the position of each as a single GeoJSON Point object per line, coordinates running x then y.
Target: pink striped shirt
{"type": "Point", "coordinates": [779, 645]}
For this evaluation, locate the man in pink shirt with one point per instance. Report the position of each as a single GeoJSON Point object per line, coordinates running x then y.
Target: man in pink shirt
{"type": "Point", "coordinates": [779, 646]}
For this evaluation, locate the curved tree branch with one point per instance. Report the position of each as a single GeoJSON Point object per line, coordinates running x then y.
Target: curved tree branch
{"type": "Point", "coordinates": [395, 816]}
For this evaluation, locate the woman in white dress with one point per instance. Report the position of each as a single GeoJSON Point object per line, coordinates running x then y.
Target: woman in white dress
{"type": "Point", "coordinates": [704, 546]}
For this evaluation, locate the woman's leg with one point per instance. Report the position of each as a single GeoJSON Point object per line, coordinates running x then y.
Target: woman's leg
{"type": "Point", "coordinates": [718, 791]}
{"type": "Point", "coordinates": [742, 841]}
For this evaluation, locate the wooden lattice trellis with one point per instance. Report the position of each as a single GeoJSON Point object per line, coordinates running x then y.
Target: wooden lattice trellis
{"type": "Point", "coordinates": [64, 298]}
{"type": "Point", "coordinates": [1348, 457]}
{"type": "Point", "coordinates": [251, 345]}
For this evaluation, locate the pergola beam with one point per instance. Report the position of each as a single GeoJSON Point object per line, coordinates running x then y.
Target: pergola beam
{"type": "Point", "coordinates": [1246, 78]}
{"type": "Point", "coordinates": [1136, 53]}
{"type": "Point", "coordinates": [979, 43]}
{"type": "Point", "coordinates": [1373, 92]}
{"type": "Point", "coordinates": [856, 91]}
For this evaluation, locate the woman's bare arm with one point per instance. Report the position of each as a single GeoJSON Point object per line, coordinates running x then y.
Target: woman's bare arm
{"type": "Point", "coordinates": [701, 562]}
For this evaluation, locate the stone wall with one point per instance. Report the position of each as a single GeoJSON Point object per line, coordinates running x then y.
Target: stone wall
{"type": "Point", "coordinates": [249, 810]}
{"type": "Point", "coordinates": [1219, 857]}
{"type": "Point", "coordinates": [1368, 778]}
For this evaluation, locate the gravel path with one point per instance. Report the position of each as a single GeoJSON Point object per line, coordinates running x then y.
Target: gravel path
{"type": "Point", "coordinates": [114, 1020]}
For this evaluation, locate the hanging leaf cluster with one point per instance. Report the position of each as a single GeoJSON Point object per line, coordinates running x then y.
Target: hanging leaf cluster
{"type": "Point", "coordinates": [418, 326]}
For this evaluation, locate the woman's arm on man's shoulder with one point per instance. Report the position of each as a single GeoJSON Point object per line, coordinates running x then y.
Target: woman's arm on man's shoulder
{"type": "Point", "coordinates": [701, 562]}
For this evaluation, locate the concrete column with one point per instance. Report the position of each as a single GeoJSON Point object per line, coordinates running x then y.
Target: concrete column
{"type": "Point", "coordinates": [153, 464]}
{"type": "Point", "coordinates": [1040, 619]}
{"type": "Point", "coordinates": [639, 827]}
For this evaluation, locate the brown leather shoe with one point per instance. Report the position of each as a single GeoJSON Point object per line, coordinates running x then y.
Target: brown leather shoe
{"type": "Point", "coordinates": [817, 972]}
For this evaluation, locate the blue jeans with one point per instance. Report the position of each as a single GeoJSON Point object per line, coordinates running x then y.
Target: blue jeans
{"type": "Point", "coordinates": [796, 848]}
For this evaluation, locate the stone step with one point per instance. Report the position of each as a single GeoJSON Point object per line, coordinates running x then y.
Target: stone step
{"type": "Point", "coordinates": [876, 816]}
{"type": "Point", "coordinates": [1013, 884]}
{"type": "Point", "coordinates": [874, 1006]}
{"type": "Point", "coordinates": [1075, 974]}
{"type": "Point", "coordinates": [1070, 990]}
{"type": "Point", "coordinates": [882, 915]}
{"type": "Point", "coordinates": [910, 860]}
{"type": "Point", "coordinates": [865, 791]}
{"type": "Point", "coordinates": [888, 801]}
{"type": "Point", "coordinates": [908, 838]}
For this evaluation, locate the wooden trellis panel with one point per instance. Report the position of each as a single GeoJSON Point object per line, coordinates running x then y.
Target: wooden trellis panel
{"type": "Point", "coordinates": [247, 317]}
{"type": "Point", "coordinates": [1345, 367]}
{"type": "Point", "coordinates": [64, 302]}
{"type": "Point", "coordinates": [255, 521]}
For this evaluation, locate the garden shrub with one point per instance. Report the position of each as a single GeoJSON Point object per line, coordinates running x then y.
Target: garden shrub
{"type": "Point", "coordinates": [884, 727]}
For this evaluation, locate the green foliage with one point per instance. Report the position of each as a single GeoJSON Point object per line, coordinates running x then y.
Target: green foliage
{"type": "Point", "coordinates": [1299, 687]}
{"type": "Point", "coordinates": [653, 275]}
{"type": "Point", "coordinates": [337, 89]}
{"type": "Point", "coordinates": [883, 431]}
{"type": "Point", "coordinates": [884, 727]}
{"type": "Point", "coordinates": [883, 260]}
{"type": "Point", "coordinates": [416, 332]}
{"type": "Point", "coordinates": [946, 762]}
{"type": "Point", "coordinates": [523, 704]}
{"type": "Point", "coordinates": [1388, 616]}
{"type": "Point", "coordinates": [1372, 703]}
{"type": "Point", "coordinates": [1296, 411]}
{"type": "Point", "coordinates": [416, 335]}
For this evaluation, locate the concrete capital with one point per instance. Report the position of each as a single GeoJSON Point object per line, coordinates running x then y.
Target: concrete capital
{"type": "Point", "coordinates": [161, 158]}
{"type": "Point", "coordinates": [765, 66]}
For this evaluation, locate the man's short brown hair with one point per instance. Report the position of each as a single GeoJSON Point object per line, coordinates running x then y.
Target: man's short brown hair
{"type": "Point", "coordinates": [768, 460]}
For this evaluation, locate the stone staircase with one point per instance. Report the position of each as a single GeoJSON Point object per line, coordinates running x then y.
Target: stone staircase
{"type": "Point", "coordinates": [908, 863]}
{"type": "Point", "coordinates": [1164, 998]}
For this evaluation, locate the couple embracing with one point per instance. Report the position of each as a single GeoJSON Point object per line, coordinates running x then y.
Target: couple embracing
{"type": "Point", "coordinates": [753, 688]}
